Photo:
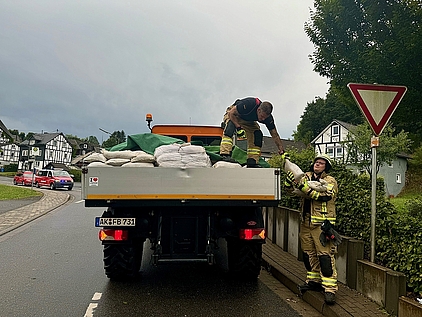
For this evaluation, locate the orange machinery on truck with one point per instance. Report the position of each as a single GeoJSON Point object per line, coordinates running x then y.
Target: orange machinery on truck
{"type": "Point", "coordinates": [184, 213]}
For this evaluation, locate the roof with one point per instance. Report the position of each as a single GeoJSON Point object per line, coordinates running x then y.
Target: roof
{"type": "Point", "coordinates": [347, 126]}
{"type": "Point", "coordinates": [6, 131]}
{"type": "Point", "coordinates": [43, 138]}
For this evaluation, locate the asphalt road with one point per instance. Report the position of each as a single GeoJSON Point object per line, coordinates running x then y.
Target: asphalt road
{"type": "Point", "coordinates": [53, 267]}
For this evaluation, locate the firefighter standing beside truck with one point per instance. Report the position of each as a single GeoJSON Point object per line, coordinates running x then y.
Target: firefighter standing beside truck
{"type": "Point", "coordinates": [242, 117]}
{"type": "Point", "coordinates": [318, 238]}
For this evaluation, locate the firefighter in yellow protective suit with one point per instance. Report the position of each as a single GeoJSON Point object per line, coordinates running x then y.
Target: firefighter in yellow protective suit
{"type": "Point", "coordinates": [242, 118]}
{"type": "Point", "coordinates": [318, 238]}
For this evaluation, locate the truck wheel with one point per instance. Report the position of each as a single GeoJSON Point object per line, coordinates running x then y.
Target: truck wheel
{"type": "Point", "coordinates": [122, 262]}
{"type": "Point", "coordinates": [244, 259]}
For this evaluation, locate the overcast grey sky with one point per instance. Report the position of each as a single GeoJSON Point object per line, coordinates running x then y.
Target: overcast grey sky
{"type": "Point", "coordinates": [77, 66]}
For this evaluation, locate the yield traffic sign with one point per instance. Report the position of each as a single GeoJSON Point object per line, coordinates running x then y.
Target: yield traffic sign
{"type": "Point", "coordinates": [377, 102]}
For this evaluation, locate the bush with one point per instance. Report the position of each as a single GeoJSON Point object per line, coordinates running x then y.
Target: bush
{"type": "Point", "coordinates": [398, 234]}
{"type": "Point", "coordinates": [76, 175]}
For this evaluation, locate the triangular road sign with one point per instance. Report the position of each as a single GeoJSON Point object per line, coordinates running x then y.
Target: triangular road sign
{"type": "Point", "coordinates": [377, 102]}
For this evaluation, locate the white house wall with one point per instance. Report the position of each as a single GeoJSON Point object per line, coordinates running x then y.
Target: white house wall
{"type": "Point", "coordinates": [58, 150]}
{"type": "Point", "coordinates": [330, 141]}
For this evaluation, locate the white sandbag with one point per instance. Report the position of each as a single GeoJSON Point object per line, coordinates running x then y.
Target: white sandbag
{"type": "Point", "coordinates": [138, 164]}
{"type": "Point", "coordinates": [168, 157]}
{"type": "Point", "coordinates": [117, 161]}
{"type": "Point", "coordinates": [182, 156]}
{"type": "Point", "coordinates": [98, 164]}
{"type": "Point", "coordinates": [319, 186]}
{"type": "Point", "coordinates": [169, 148]}
{"type": "Point", "coordinates": [187, 148]}
{"type": "Point", "coordinates": [127, 154]}
{"type": "Point", "coordinates": [292, 167]}
{"type": "Point", "coordinates": [223, 164]}
{"type": "Point", "coordinates": [95, 157]}
{"type": "Point", "coordinates": [142, 157]}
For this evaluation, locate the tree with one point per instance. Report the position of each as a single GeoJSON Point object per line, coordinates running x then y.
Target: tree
{"type": "Point", "coordinates": [358, 146]}
{"type": "Point", "coordinates": [115, 138]}
{"type": "Point", "coordinates": [371, 41]}
{"type": "Point", "coordinates": [320, 113]}
{"type": "Point", "coordinates": [93, 140]}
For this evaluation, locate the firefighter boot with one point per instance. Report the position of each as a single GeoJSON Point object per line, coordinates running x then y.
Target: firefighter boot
{"type": "Point", "coordinates": [330, 298]}
{"type": "Point", "coordinates": [228, 158]}
{"type": "Point", "coordinates": [251, 163]}
{"type": "Point", "coordinates": [310, 286]}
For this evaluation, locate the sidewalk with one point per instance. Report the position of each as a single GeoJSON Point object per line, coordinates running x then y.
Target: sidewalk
{"type": "Point", "coordinates": [282, 265]}
{"type": "Point", "coordinates": [291, 272]}
{"type": "Point", "coordinates": [51, 200]}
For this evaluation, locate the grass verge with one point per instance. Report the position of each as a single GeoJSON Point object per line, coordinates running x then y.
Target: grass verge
{"type": "Point", "coordinates": [14, 192]}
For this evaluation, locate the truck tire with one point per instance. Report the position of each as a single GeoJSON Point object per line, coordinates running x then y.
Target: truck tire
{"type": "Point", "coordinates": [122, 261]}
{"type": "Point", "coordinates": [244, 259]}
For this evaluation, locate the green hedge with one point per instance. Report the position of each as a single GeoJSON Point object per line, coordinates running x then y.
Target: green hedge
{"type": "Point", "coordinates": [76, 175]}
{"type": "Point", "coordinates": [398, 234]}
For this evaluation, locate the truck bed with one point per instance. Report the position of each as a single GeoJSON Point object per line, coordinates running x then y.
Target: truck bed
{"type": "Point", "coordinates": [146, 186]}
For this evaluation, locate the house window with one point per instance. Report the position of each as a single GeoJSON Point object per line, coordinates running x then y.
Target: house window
{"type": "Point", "coordinates": [330, 152]}
{"type": "Point", "coordinates": [335, 131]}
{"type": "Point", "coordinates": [54, 143]}
{"type": "Point", "coordinates": [339, 152]}
{"type": "Point", "coordinates": [398, 178]}
{"type": "Point", "coordinates": [85, 146]}
{"type": "Point", "coordinates": [31, 142]}
{"type": "Point", "coordinates": [25, 153]}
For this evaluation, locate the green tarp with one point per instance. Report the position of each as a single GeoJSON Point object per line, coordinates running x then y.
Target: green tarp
{"type": "Point", "coordinates": [148, 142]}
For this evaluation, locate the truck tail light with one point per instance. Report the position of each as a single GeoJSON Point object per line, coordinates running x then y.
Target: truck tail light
{"type": "Point", "coordinates": [252, 234]}
{"type": "Point", "coordinates": [113, 234]}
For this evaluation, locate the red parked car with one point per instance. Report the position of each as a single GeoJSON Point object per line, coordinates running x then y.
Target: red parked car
{"type": "Point", "coordinates": [24, 178]}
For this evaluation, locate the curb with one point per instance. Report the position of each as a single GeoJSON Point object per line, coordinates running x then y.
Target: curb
{"type": "Point", "coordinates": [31, 206]}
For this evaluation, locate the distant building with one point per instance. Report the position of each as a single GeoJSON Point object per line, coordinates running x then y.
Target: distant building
{"type": "Point", "coordinates": [332, 141]}
{"type": "Point", "coordinates": [9, 149]}
{"type": "Point", "coordinates": [43, 149]}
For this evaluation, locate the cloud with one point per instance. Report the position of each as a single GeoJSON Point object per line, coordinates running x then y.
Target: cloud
{"type": "Point", "coordinates": [77, 66]}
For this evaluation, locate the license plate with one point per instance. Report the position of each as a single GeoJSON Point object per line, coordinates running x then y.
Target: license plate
{"type": "Point", "coordinates": [115, 222]}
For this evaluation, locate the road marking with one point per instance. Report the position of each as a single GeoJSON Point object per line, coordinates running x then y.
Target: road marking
{"type": "Point", "coordinates": [91, 307]}
{"type": "Point", "coordinates": [90, 310]}
{"type": "Point", "coordinates": [79, 201]}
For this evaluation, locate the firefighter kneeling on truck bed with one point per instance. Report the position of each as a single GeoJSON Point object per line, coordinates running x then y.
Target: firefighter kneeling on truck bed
{"type": "Point", "coordinates": [318, 238]}
{"type": "Point", "coordinates": [242, 117]}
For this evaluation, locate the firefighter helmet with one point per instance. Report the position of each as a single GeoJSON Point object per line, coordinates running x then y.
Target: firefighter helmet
{"type": "Point", "coordinates": [327, 160]}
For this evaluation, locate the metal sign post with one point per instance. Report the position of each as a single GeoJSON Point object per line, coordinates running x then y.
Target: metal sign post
{"type": "Point", "coordinates": [377, 103]}
{"type": "Point", "coordinates": [374, 145]}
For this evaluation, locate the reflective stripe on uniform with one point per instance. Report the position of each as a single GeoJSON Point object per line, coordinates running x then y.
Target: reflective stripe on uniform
{"type": "Point", "coordinates": [329, 282]}
{"type": "Point", "coordinates": [227, 140]}
{"type": "Point", "coordinates": [313, 275]}
{"type": "Point", "coordinates": [254, 151]}
{"type": "Point", "coordinates": [314, 194]}
{"type": "Point", "coordinates": [315, 219]}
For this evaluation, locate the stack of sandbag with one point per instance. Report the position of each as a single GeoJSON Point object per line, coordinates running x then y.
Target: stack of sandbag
{"type": "Point", "coordinates": [120, 158]}
{"type": "Point", "coordinates": [182, 156]}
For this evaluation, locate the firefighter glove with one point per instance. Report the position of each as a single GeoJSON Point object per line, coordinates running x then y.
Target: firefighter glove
{"type": "Point", "coordinates": [290, 178]}
{"type": "Point", "coordinates": [304, 187]}
{"type": "Point", "coordinates": [329, 234]}
{"type": "Point", "coordinates": [241, 134]}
